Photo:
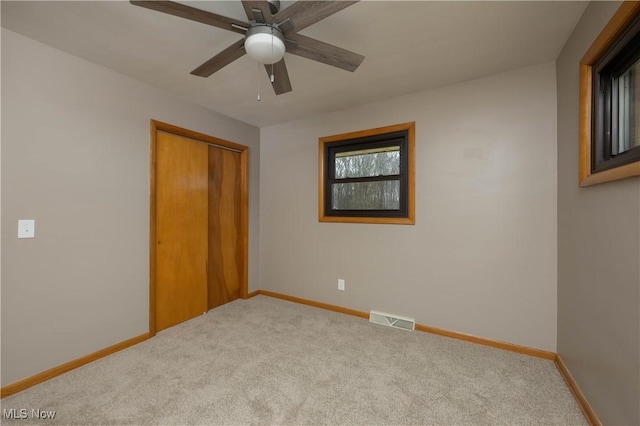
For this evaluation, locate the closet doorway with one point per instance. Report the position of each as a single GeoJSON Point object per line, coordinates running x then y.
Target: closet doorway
{"type": "Point", "coordinates": [199, 224]}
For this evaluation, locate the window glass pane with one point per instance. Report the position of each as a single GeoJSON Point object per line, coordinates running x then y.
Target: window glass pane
{"type": "Point", "coordinates": [380, 195]}
{"type": "Point", "coordinates": [628, 110]}
{"type": "Point", "coordinates": [600, 123]}
{"type": "Point", "coordinates": [366, 163]}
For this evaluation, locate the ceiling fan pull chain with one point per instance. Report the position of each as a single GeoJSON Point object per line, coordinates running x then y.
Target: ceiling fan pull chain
{"type": "Point", "coordinates": [259, 99]}
{"type": "Point", "coordinates": [272, 77]}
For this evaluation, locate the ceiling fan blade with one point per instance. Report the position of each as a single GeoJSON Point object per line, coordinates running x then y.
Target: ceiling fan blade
{"type": "Point", "coordinates": [258, 10]}
{"type": "Point", "coordinates": [320, 51]}
{"type": "Point", "coordinates": [281, 83]}
{"type": "Point", "coordinates": [193, 14]}
{"type": "Point", "coordinates": [305, 13]}
{"type": "Point", "coordinates": [228, 55]}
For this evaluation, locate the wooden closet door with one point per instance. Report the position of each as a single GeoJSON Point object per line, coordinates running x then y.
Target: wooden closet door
{"type": "Point", "coordinates": [226, 255]}
{"type": "Point", "coordinates": [181, 229]}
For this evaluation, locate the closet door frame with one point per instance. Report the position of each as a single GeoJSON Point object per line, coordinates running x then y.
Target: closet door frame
{"type": "Point", "coordinates": [158, 126]}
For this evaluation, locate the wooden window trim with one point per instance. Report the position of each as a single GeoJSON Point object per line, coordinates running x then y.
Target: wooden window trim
{"type": "Point", "coordinates": [410, 219]}
{"type": "Point", "coordinates": [623, 16]}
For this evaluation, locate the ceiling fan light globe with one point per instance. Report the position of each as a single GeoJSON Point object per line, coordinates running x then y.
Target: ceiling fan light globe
{"type": "Point", "coordinates": [265, 47]}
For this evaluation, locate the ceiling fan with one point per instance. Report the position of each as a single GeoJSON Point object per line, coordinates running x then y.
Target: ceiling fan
{"type": "Point", "coordinates": [268, 34]}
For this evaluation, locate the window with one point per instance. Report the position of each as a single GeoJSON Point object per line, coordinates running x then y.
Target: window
{"type": "Point", "coordinates": [610, 101]}
{"type": "Point", "coordinates": [367, 176]}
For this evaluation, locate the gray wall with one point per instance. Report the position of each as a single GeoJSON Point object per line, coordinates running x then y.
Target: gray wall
{"type": "Point", "coordinates": [481, 258]}
{"type": "Point", "coordinates": [75, 157]}
{"type": "Point", "coordinates": [598, 256]}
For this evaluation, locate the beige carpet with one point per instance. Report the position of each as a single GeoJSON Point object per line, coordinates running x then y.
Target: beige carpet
{"type": "Point", "coordinates": [267, 361]}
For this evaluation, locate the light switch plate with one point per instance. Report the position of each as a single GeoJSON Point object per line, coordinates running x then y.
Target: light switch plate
{"type": "Point", "coordinates": [26, 228]}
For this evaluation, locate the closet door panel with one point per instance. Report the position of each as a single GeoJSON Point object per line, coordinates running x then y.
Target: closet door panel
{"type": "Point", "coordinates": [181, 229]}
{"type": "Point", "coordinates": [225, 227]}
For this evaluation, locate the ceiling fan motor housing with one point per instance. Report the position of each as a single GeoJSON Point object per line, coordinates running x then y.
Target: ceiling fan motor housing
{"type": "Point", "coordinates": [274, 6]}
{"type": "Point", "coordinates": [264, 43]}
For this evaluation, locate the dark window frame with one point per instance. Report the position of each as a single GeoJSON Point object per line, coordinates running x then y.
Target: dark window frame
{"type": "Point", "coordinates": [402, 135]}
{"type": "Point", "coordinates": [619, 57]}
{"type": "Point", "coordinates": [600, 66]}
{"type": "Point", "coordinates": [371, 142]}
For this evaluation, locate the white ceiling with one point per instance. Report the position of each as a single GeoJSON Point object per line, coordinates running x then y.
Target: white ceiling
{"type": "Point", "coordinates": [408, 47]}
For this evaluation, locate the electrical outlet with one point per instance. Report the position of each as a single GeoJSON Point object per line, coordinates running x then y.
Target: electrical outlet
{"type": "Point", "coordinates": [26, 228]}
{"type": "Point", "coordinates": [340, 284]}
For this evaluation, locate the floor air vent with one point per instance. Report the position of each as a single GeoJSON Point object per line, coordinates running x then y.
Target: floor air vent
{"type": "Point", "coordinates": [392, 320]}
